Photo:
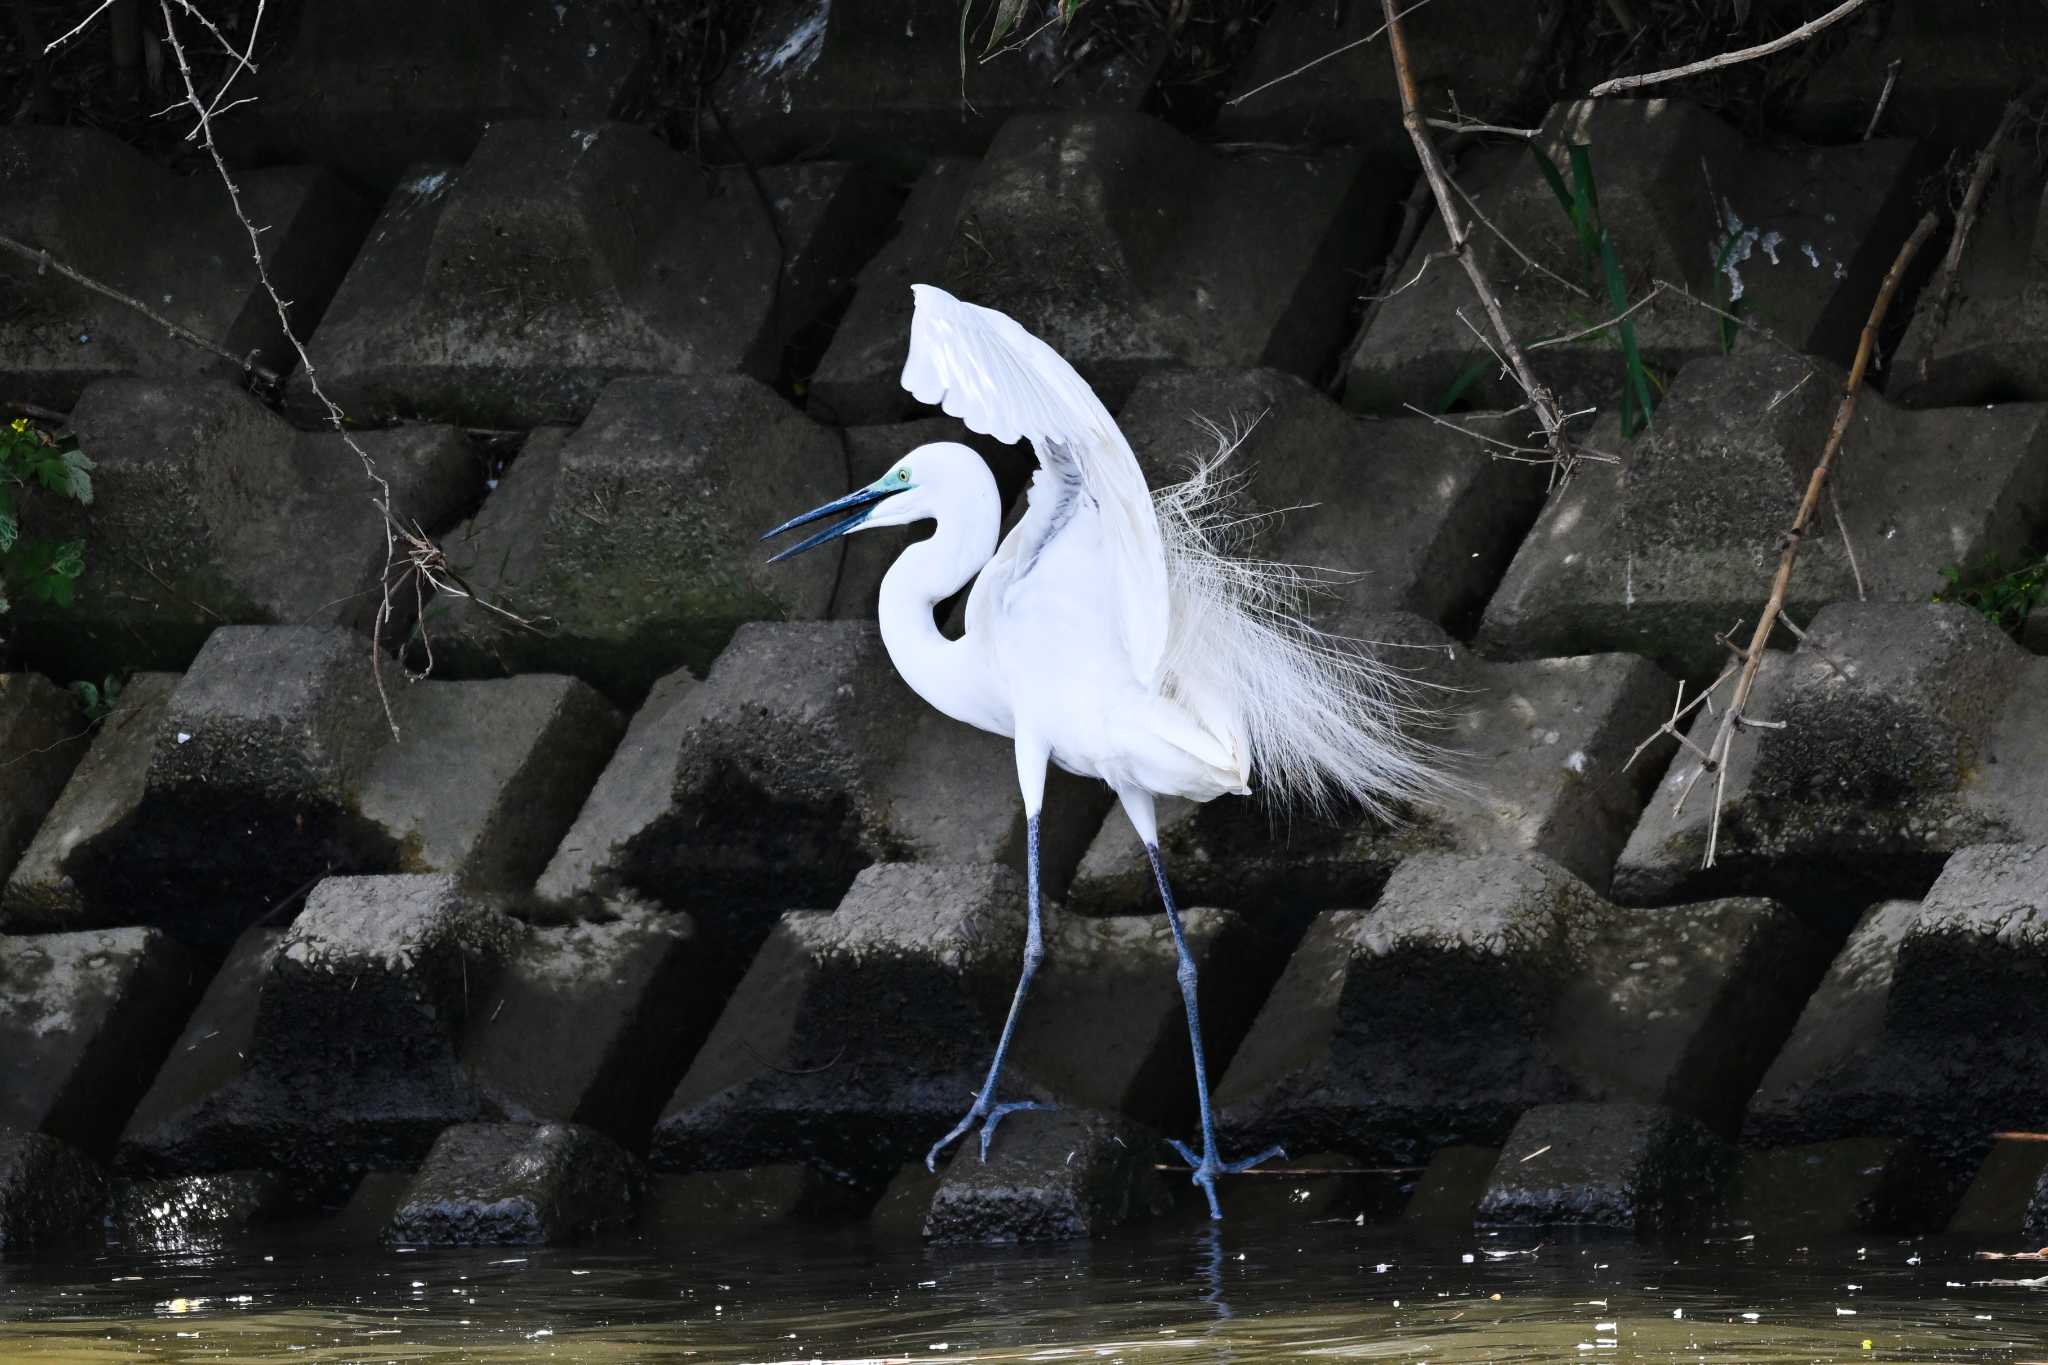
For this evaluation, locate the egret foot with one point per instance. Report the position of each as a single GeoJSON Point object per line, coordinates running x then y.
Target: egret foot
{"type": "Point", "coordinates": [1207, 1168]}
{"type": "Point", "coordinates": [979, 1108]}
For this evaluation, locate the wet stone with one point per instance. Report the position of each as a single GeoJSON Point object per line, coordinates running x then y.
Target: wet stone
{"type": "Point", "coordinates": [214, 510]}
{"type": "Point", "coordinates": [1990, 344]}
{"type": "Point", "coordinates": [370, 88]}
{"type": "Point", "coordinates": [1053, 1175]}
{"type": "Point", "coordinates": [1851, 1185]}
{"type": "Point", "coordinates": [84, 1021]}
{"type": "Point", "coordinates": [691, 1207]}
{"type": "Point", "coordinates": [1238, 260]}
{"type": "Point", "coordinates": [1448, 1191]}
{"type": "Point", "coordinates": [2000, 1195]}
{"type": "Point", "coordinates": [1554, 735]}
{"type": "Point", "coordinates": [215, 800]}
{"type": "Point", "coordinates": [1909, 731]}
{"type": "Point", "coordinates": [479, 302]}
{"type": "Point", "coordinates": [52, 1196]}
{"type": "Point", "coordinates": [1481, 987]}
{"type": "Point", "coordinates": [1635, 1167]}
{"type": "Point", "coordinates": [1658, 556]}
{"type": "Point", "coordinates": [592, 1023]}
{"type": "Point", "coordinates": [860, 1035]}
{"type": "Point", "coordinates": [1402, 515]}
{"type": "Point", "coordinates": [197, 1212]}
{"type": "Point", "coordinates": [42, 737]}
{"type": "Point", "coordinates": [333, 1047]}
{"type": "Point", "coordinates": [1814, 231]}
{"type": "Point", "coordinates": [633, 541]}
{"type": "Point", "coordinates": [799, 761]}
{"type": "Point", "coordinates": [1921, 1027]}
{"type": "Point", "coordinates": [170, 240]}
{"type": "Point", "coordinates": [511, 1184]}
{"type": "Point", "coordinates": [885, 85]}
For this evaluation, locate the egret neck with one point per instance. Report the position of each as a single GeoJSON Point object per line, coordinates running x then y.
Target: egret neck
{"type": "Point", "coordinates": [950, 674]}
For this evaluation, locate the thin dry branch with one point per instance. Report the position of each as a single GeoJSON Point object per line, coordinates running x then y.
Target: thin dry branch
{"type": "Point", "coordinates": [1943, 289]}
{"type": "Point", "coordinates": [1460, 234]}
{"type": "Point", "coordinates": [1753, 657]}
{"type": "Point", "coordinates": [43, 260]}
{"type": "Point", "coordinates": [1334, 52]}
{"type": "Point", "coordinates": [1735, 58]}
{"type": "Point", "coordinates": [1884, 97]}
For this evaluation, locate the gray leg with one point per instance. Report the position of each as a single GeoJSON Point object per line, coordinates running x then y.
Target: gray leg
{"type": "Point", "coordinates": [1034, 953]}
{"type": "Point", "coordinates": [1207, 1167]}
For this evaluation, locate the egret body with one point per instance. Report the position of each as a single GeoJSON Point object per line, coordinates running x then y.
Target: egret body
{"type": "Point", "coordinates": [1106, 633]}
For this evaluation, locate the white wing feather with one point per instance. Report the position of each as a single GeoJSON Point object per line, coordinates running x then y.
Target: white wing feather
{"type": "Point", "coordinates": [982, 367]}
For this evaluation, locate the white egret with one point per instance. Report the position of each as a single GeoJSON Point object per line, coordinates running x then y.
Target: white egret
{"type": "Point", "coordinates": [1109, 632]}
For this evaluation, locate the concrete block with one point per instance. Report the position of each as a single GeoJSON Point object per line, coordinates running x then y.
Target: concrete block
{"type": "Point", "coordinates": [634, 541]}
{"type": "Point", "coordinates": [1849, 206]}
{"type": "Point", "coordinates": [1482, 987]}
{"type": "Point", "coordinates": [85, 1019]}
{"type": "Point", "coordinates": [1063, 1174]}
{"type": "Point", "coordinates": [1633, 1167]}
{"type": "Point", "coordinates": [1239, 260]}
{"type": "Point", "coordinates": [1872, 1184]}
{"type": "Point", "coordinates": [170, 240]}
{"type": "Point", "coordinates": [1659, 556]}
{"type": "Point", "coordinates": [1991, 344]}
{"type": "Point", "coordinates": [1997, 1204]}
{"type": "Point", "coordinates": [1961, 62]}
{"type": "Point", "coordinates": [1539, 747]}
{"type": "Point", "coordinates": [52, 1196]}
{"type": "Point", "coordinates": [210, 509]}
{"type": "Point", "coordinates": [43, 734]}
{"type": "Point", "coordinates": [592, 1023]}
{"type": "Point", "coordinates": [194, 1214]}
{"type": "Point", "coordinates": [480, 302]}
{"type": "Point", "coordinates": [799, 761]}
{"type": "Point", "coordinates": [1404, 515]}
{"type": "Point", "coordinates": [1909, 733]}
{"type": "Point", "coordinates": [335, 1046]}
{"type": "Point", "coordinates": [688, 1208]}
{"type": "Point", "coordinates": [513, 1184]}
{"type": "Point", "coordinates": [1352, 97]}
{"type": "Point", "coordinates": [1920, 1028]}
{"type": "Point", "coordinates": [859, 1036]}
{"type": "Point", "coordinates": [369, 89]}
{"type": "Point", "coordinates": [888, 87]}
{"type": "Point", "coordinates": [209, 804]}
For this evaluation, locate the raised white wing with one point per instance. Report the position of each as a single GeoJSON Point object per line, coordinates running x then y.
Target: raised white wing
{"type": "Point", "coordinates": [980, 366]}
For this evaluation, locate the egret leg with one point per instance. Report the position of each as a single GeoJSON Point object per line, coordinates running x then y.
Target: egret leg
{"type": "Point", "coordinates": [1034, 953]}
{"type": "Point", "coordinates": [1207, 1167]}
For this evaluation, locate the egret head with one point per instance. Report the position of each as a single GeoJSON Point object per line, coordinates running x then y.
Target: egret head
{"type": "Point", "coordinates": [914, 488]}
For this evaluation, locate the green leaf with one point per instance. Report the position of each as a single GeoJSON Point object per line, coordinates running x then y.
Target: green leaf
{"type": "Point", "coordinates": [69, 559]}
{"type": "Point", "coordinates": [77, 476]}
{"type": "Point", "coordinates": [1635, 379]}
{"type": "Point", "coordinates": [1552, 178]}
{"type": "Point", "coordinates": [1009, 13]}
{"type": "Point", "coordinates": [59, 590]}
{"type": "Point", "coordinates": [10, 524]}
{"type": "Point", "coordinates": [1467, 377]}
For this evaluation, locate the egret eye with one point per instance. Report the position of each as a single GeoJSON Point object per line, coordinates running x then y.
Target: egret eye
{"type": "Point", "coordinates": [903, 474]}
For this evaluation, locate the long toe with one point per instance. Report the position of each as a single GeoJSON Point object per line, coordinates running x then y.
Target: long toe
{"type": "Point", "coordinates": [1275, 1153]}
{"type": "Point", "coordinates": [995, 1116]}
{"type": "Point", "coordinates": [931, 1158]}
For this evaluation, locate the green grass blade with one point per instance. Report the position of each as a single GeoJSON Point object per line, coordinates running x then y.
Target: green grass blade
{"type": "Point", "coordinates": [1467, 377]}
{"type": "Point", "coordinates": [1635, 379]}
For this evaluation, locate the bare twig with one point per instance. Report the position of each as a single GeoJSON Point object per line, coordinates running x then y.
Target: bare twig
{"type": "Point", "coordinates": [1848, 545]}
{"type": "Point", "coordinates": [1459, 125]}
{"type": "Point", "coordinates": [1318, 61]}
{"type": "Point", "coordinates": [1747, 54]}
{"type": "Point", "coordinates": [48, 416]}
{"type": "Point", "coordinates": [1509, 243]}
{"type": "Point", "coordinates": [1460, 233]}
{"type": "Point", "coordinates": [1753, 657]}
{"type": "Point", "coordinates": [1509, 450]}
{"type": "Point", "coordinates": [1884, 96]}
{"type": "Point", "coordinates": [1601, 326]}
{"type": "Point", "coordinates": [1943, 289]}
{"type": "Point", "coordinates": [43, 260]}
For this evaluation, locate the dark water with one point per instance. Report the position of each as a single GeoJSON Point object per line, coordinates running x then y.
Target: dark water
{"type": "Point", "coordinates": [1329, 1291]}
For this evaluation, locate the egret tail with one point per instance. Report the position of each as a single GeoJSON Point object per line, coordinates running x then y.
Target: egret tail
{"type": "Point", "coordinates": [1328, 725]}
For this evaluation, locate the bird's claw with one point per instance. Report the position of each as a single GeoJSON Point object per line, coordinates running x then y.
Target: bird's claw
{"type": "Point", "coordinates": [1207, 1168]}
{"type": "Point", "coordinates": [994, 1115]}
